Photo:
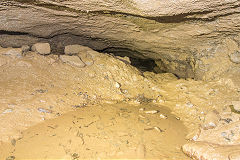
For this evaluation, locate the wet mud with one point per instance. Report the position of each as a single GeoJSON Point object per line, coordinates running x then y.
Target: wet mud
{"type": "Point", "coordinates": [104, 131]}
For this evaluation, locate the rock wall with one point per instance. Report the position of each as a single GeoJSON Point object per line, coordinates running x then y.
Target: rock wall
{"type": "Point", "coordinates": [196, 39]}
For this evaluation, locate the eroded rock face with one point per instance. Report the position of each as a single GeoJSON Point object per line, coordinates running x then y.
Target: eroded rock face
{"type": "Point", "coordinates": [195, 39]}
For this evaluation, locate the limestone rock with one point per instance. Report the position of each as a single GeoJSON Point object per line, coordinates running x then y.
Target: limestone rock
{"type": "Point", "coordinates": [75, 49]}
{"type": "Point", "coordinates": [236, 105]}
{"type": "Point", "coordinates": [235, 57]}
{"type": "Point", "coordinates": [211, 120]}
{"type": "Point", "coordinates": [72, 60]}
{"type": "Point", "coordinates": [15, 52]}
{"type": "Point", "coordinates": [208, 151]}
{"type": "Point", "coordinates": [42, 48]}
{"type": "Point", "coordinates": [25, 48]}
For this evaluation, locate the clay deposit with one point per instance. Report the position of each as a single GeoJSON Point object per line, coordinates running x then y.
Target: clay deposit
{"type": "Point", "coordinates": [120, 79]}
{"type": "Point", "coordinates": [111, 103]}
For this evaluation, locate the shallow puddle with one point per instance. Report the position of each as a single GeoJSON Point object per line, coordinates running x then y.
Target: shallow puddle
{"type": "Point", "coordinates": [103, 131]}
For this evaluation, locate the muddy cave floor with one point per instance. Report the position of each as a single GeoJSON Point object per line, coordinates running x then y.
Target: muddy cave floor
{"type": "Point", "coordinates": [109, 109]}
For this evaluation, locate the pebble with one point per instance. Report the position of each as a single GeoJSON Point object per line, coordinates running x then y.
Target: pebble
{"type": "Point", "coordinates": [117, 85]}
{"type": "Point", "coordinates": [9, 110]}
{"type": "Point", "coordinates": [178, 118]}
{"type": "Point", "coordinates": [163, 116]}
{"type": "Point", "coordinates": [42, 48]}
{"type": "Point", "coordinates": [189, 104]}
{"type": "Point", "coordinates": [42, 110]}
{"type": "Point", "coordinates": [236, 105]}
{"type": "Point", "coordinates": [158, 129]}
{"type": "Point", "coordinates": [25, 48]}
{"type": "Point", "coordinates": [235, 57]}
{"type": "Point", "coordinates": [211, 120]}
{"type": "Point", "coordinates": [151, 112]}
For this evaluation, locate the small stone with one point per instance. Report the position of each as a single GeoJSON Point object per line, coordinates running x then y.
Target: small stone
{"type": "Point", "coordinates": [42, 48]}
{"type": "Point", "coordinates": [117, 85]}
{"type": "Point", "coordinates": [211, 120]}
{"type": "Point", "coordinates": [9, 110]}
{"type": "Point", "coordinates": [236, 105]}
{"type": "Point", "coordinates": [158, 129]}
{"type": "Point", "coordinates": [235, 57]}
{"type": "Point", "coordinates": [178, 118]}
{"type": "Point", "coordinates": [163, 116]}
{"type": "Point", "coordinates": [189, 104]}
{"type": "Point", "coordinates": [25, 49]}
{"type": "Point", "coordinates": [42, 110]}
{"type": "Point", "coordinates": [72, 60]}
{"type": "Point", "coordinates": [151, 112]}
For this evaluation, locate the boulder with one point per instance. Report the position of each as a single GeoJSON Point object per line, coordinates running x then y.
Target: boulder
{"type": "Point", "coordinates": [42, 48]}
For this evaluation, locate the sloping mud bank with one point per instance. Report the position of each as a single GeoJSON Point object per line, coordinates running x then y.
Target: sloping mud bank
{"type": "Point", "coordinates": [115, 105]}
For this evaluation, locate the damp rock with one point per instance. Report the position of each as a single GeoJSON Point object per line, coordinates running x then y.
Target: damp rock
{"type": "Point", "coordinates": [235, 57]}
{"type": "Point", "coordinates": [42, 48]}
{"type": "Point", "coordinates": [75, 49]}
{"type": "Point", "coordinates": [72, 60]}
{"type": "Point", "coordinates": [211, 120]}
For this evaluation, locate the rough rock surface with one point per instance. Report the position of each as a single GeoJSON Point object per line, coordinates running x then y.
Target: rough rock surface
{"type": "Point", "coordinates": [189, 38]}
{"type": "Point", "coordinates": [75, 49]}
{"type": "Point", "coordinates": [72, 60]}
{"type": "Point", "coordinates": [42, 48]}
